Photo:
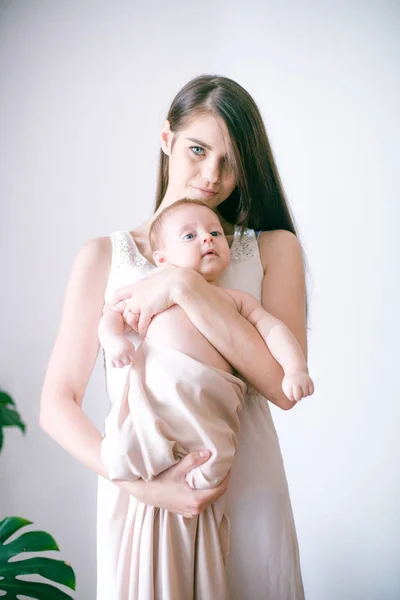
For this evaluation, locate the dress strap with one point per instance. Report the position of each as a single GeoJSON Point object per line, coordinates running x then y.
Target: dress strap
{"type": "Point", "coordinates": [125, 252]}
{"type": "Point", "coordinates": [245, 246]}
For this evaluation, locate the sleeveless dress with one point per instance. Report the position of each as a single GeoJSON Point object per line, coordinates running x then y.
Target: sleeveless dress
{"type": "Point", "coordinates": [263, 558]}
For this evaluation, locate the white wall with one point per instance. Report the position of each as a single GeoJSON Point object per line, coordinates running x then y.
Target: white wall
{"type": "Point", "coordinates": [84, 88]}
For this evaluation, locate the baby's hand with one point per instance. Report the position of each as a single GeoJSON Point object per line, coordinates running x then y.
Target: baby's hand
{"type": "Point", "coordinates": [120, 351]}
{"type": "Point", "coordinates": [297, 385]}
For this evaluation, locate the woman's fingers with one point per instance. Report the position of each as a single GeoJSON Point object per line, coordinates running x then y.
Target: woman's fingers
{"type": "Point", "coordinates": [131, 318]}
{"type": "Point", "coordinates": [206, 497]}
{"type": "Point", "coordinates": [144, 319]}
{"type": "Point", "coordinates": [130, 290]}
{"type": "Point", "coordinates": [192, 460]}
{"type": "Point", "coordinates": [178, 497]}
{"type": "Point", "coordinates": [121, 294]}
{"type": "Point", "coordinates": [118, 307]}
{"type": "Point", "coordinates": [187, 463]}
{"type": "Point", "coordinates": [177, 473]}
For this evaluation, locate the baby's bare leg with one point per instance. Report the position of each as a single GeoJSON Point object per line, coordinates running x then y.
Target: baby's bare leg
{"type": "Point", "coordinates": [173, 328]}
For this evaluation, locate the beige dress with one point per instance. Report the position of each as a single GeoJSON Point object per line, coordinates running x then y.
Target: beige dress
{"type": "Point", "coordinates": [145, 553]}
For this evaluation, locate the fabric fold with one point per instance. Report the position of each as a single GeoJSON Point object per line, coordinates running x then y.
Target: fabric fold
{"type": "Point", "coordinates": [173, 404]}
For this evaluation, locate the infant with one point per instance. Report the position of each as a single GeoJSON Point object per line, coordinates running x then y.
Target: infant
{"type": "Point", "coordinates": [189, 234]}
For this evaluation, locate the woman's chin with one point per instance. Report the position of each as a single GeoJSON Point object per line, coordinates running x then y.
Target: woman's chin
{"type": "Point", "coordinates": [211, 200]}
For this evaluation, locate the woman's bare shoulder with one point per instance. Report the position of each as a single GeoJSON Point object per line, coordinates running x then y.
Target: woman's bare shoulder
{"type": "Point", "coordinates": [280, 247]}
{"type": "Point", "coordinates": [96, 253]}
{"type": "Point", "coordinates": [92, 265]}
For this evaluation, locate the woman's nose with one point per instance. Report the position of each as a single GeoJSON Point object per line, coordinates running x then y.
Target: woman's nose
{"type": "Point", "coordinates": [211, 171]}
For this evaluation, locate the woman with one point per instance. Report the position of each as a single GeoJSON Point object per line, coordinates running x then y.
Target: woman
{"type": "Point", "coordinates": [213, 148]}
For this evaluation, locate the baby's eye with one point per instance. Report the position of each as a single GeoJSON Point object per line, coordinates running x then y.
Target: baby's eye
{"type": "Point", "coordinates": [187, 236]}
{"type": "Point", "coordinates": [215, 233]}
{"type": "Point", "coordinates": [197, 150]}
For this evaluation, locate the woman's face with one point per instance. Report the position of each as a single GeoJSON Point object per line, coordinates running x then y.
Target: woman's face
{"type": "Point", "coordinates": [200, 165]}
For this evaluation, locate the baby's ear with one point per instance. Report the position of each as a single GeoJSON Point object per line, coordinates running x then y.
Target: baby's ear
{"type": "Point", "coordinates": [159, 258]}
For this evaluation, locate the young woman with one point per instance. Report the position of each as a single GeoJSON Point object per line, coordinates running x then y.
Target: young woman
{"type": "Point", "coordinates": [213, 148]}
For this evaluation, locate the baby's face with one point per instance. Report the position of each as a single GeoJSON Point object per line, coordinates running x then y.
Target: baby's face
{"type": "Point", "coordinates": [193, 237]}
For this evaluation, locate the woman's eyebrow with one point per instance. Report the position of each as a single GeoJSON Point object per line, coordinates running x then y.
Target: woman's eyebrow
{"type": "Point", "coordinates": [200, 143]}
{"type": "Point", "coordinates": [206, 146]}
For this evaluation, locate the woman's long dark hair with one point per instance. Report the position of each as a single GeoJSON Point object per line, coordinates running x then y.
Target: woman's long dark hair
{"type": "Point", "coordinates": [258, 201]}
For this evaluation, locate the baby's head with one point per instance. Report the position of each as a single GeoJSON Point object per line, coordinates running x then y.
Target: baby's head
{"type": "Point", "coordinates": [188, 233]}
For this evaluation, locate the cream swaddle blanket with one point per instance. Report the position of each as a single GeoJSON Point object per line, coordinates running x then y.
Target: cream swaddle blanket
{"type": "Point", "coordinates": [172, 405]}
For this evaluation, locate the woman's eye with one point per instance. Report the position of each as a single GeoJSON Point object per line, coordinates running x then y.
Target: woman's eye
{"type": "Point", "coordinates": [197, 150]}
{"type": "Point", "coordinates": [188, 236]}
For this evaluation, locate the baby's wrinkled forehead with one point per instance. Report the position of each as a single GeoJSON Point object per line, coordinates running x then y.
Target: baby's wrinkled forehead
{"type": "Point", "coordinates": [190, 216]}
{"type": "Point", "coordinates": [178, 215]}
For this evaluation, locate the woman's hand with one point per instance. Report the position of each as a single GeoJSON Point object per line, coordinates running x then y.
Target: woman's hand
{"type": "Point", "coordinates": [150, 296]}
{"type": "Point", "coordinates": [170, 490]}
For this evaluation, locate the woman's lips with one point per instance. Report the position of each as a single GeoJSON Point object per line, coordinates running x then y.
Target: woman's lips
{"type": "Point", "coordinates": [207, 193]}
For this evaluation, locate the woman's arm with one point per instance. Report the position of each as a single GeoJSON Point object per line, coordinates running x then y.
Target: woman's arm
{"type": "Point", "coordinates": [235, 338]}
{"type": "Point", "coordinates": [283, 295]}
{"type": "Point", "coordinates": [74, 356]}
{"type": "Point", "coordinates": [284, 286]}
{"type": "Point", "coordinates": [70, 367]}
{"type": "Point", "coordinates": [280, 340]}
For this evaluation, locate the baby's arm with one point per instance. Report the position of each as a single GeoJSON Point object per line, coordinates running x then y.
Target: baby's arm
{"type": "Point", "coordinates": [281, 342]}
{"type": "Point", "coordinates": [118, 349]}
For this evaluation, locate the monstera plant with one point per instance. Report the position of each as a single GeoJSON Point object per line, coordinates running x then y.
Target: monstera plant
{"type": "Point", "coordinates": [12, 561]}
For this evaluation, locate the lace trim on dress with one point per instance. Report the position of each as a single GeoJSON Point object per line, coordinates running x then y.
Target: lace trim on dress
{"type": "Point", "coordinates": [125, 251]}
{"type": "Point", "coordinates": [245, 247]}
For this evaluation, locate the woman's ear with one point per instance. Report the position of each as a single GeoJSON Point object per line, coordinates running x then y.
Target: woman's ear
{"type": "Point", "coordinates": [159, 258]}
{"type": "Point", "coordinates": [166, 138]}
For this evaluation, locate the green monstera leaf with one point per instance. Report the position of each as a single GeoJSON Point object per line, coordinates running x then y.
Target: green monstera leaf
{"type": "Point", "coordinates": [9, 416]}
{"type": "Point", "coordinates": [56, 571]}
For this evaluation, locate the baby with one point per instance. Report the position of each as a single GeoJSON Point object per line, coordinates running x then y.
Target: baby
{"type": "Point", "coordinates": [189, 234]}
{"type": "Point", "coordinates": [186, 234]}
